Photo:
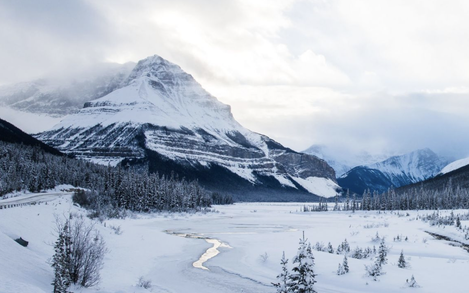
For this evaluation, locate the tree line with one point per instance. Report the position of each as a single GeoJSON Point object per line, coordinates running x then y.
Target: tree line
{"type": "Point", "coordinates": [111, 189]}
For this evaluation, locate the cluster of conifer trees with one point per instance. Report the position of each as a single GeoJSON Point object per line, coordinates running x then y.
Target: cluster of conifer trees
{"type": "Point", "coordinates": [30, 168]}
{"type": "Point", "coordinates": [417, 198]}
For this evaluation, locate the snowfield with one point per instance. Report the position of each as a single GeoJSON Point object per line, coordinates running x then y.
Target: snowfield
{"type": "Point", "coordinates": [251, 237]}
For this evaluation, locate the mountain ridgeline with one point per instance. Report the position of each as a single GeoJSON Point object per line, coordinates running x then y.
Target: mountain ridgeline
{"type": "Point", "coordinates": [161, 120]}
{"type": "Point", "coordinates": [394, 172]}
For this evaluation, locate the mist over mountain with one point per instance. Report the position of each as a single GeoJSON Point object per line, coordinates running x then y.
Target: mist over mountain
{"type": "Point", "coordinates": [60, 95]}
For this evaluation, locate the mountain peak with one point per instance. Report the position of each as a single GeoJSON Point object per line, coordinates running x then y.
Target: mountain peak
{"type": "Point", "coordinates": [156, 67]}
{"type": "Point", "coordinates": [163, 117]}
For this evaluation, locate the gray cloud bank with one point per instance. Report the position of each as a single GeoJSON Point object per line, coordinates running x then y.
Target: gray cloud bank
{"type": "Point", "coordinates": [364, 75]}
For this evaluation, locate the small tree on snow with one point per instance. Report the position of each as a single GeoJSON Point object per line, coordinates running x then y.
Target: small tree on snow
{"type": "Point", "coordinates": [330, 249]}
{"type": "Point", "coordinates": [340, 270]}
{"type": "Point", "coordinates": [345, 264]}
{"type": "Point", "coordinates": [374, 270]}
{"type": "Point", "coordinates": [302, 277]}
{"type": "Point", "coordinates": [382, 253]}
{"type": "Point", "coordinates": [283, 284]}
{"type": "Point", "coordinates": [412, 283]}
{"type": "Point", "coordinates": [402, 263]}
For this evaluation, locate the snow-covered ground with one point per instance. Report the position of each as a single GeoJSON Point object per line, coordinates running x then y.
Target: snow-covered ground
{"type": "Point", "coordinates": [252, 237]}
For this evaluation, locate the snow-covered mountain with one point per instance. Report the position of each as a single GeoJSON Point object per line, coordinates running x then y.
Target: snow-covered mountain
{"type": "Point", "coordinates": [161, 118]}
{"type": "Point", "coordinates": [394, 172]}
{"type": "Point", "coordinates": [342, 159]}
{"type": "Point", "coordinates": [62, 96]}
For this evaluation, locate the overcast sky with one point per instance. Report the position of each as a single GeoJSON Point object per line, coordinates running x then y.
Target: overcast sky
{"type": "Point", "coordinates": [355, 75]}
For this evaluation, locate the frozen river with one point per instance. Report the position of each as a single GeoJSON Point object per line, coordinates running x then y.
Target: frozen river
{"type": "Point", "coordinates": [238, 249]}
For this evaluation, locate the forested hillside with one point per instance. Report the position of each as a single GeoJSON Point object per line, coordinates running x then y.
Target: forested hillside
{"type": "Point", "coordinates": [112, 190]}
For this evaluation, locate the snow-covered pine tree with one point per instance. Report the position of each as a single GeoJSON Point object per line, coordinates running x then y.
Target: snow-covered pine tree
{"type": "Point", "coordinates": [345, 264]}
{"type": "Point", "coordinates": [340, 270]}
{"type": "Point", "coordinates": [61, 261]}
{"type": "Point", "coordinates": [283, 278]}
{"type": "Point", "coordinates": [330, 249]}
{"type": "Point", "coordinates": [374, 270]}
{"type": "Point", "coordinates": [412, 283]}
{"type": "Point", "coordinates": [302, 277]}
{"type": "Point", "coordinates": [382, 253]}
{"type": "Point", "coordinates": [402, 262]}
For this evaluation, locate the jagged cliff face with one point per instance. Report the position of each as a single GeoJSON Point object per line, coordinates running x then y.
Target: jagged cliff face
{"type": "Point", "coordinates": [162, 110]}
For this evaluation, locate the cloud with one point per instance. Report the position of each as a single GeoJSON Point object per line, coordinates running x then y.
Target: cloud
{"type": "Point", "coordinates": [376, 75]}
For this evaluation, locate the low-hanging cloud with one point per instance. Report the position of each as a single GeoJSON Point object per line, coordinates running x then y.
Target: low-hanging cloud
{"type": "Point", "coordinates": [365, 75]}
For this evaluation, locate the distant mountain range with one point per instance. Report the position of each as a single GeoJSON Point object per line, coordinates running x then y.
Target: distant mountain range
{"type": "Point", "coordinates": [159, 118]}
{"type": "Point", "coordinates": [394, 172]}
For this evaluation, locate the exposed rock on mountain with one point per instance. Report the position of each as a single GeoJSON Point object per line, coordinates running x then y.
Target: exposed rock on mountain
{"type": "Point", "coordinates": [162, 119]}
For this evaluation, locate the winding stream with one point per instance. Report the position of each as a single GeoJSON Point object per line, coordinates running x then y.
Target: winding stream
{"type": "Point", "coordinates": [209, 253]}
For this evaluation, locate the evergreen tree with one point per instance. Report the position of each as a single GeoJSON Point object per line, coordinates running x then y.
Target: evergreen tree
{"type": "Point", "coordinates": [330, 249]}
{"type": "Point", "coordinates": [61, 261]}
{"type": "Point", "coordinates": [283, 284]}
{"type": "Point", "coordinates": [345, 264]}
{"type": "Point", "coordinates": [402, 262]}
{"type": "Point", "coordinates": [340, 270]}
{"type": "Point", "coordinates": [375, 270]}
{"type": "Point", "coordinates": [382, 253]}
{"type": "Point", "coordinates": [302, 277]}
{"type": "Point", "coordinates": [412, 283]}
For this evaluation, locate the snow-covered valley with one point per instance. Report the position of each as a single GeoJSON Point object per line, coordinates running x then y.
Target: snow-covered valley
{"type": "Point", "coordinates": [253, 237]}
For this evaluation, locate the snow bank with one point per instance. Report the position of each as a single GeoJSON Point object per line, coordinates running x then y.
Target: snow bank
{"type": "Point", "coordinates": [455, 165]}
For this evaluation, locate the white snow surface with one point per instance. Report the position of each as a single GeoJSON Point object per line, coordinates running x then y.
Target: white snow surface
{"type": "Point", "coordinates": [323, 186]}
{"type": "Point", "coordinates": [455, 165]}
{"type": "Point", "coordinates": [252, 231]}
{"type": "Point", "coordinates": [146, 99]}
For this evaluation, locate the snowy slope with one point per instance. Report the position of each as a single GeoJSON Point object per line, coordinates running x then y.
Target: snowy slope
{"type": "Point", "coordinates": [160, 108]}
{"type": "Point", "coordinates": [146, 248]}
{"type": "Point", "coordinates": [455, 165]}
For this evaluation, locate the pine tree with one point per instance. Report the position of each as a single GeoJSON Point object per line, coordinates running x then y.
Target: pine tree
{"type": "Point", "coordinates": [302, 277]}
{"type": "Point", "coordinates": [412, 283]}
{"type": "Point", "coordinates": [330, 249]}
{"type": "Point", "coordinates": [283, 284]}
{"type": "Point", "coordinates": [340, 270]}
{"type": "Point", "coordinates": [345, 264]}
{"type": "Point", "coordinates": [375, 270]}
{"type": "Point", "coordinates": [402, 262]}
{"type": "Point", "coordinates": [61, 261]}
{"type": "Point", "coordinates": [382, 253]}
